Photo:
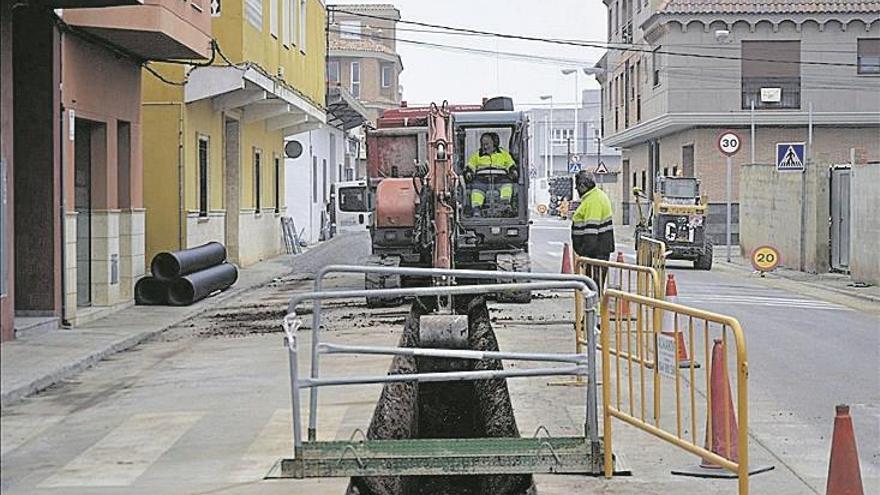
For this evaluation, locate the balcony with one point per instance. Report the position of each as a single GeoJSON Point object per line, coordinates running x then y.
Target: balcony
{"type": "Point", "coordinates": [156, 29]}
{"type": "Point", "coordinates": [770, 93]}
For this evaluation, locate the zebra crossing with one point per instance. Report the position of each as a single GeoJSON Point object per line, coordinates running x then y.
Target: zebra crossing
{"type": "Point", "coordinates": [700, 294]}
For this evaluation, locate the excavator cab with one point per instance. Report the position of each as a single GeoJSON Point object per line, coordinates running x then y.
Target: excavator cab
{"type": "Point", "coordinates": [490, 170]}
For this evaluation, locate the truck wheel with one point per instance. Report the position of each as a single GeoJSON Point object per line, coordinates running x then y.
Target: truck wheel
{"type": "Point", "coordinates": [704, 262]}
{"type": "Point", "coordinates": [518, 262]}
{"type": "Point", "coordinates": [382, 281]}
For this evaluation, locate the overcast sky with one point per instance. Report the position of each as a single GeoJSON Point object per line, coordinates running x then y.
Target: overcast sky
{"type": "Point", "coordinates": [432, 74]}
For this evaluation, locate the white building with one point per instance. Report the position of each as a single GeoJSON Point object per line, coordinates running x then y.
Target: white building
{"type": "Point", "coordinates": [328, 155]}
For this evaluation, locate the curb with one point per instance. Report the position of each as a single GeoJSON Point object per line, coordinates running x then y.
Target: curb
{"type": "Point", "coordinates": [64, 372]}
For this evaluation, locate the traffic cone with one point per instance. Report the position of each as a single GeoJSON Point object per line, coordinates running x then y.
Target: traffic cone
{"type": "Point", "coordinates": [614, 281]}
{"type": "Point", "coordinates": [844, 473]}
{"type": "Point", "coordinates": [566, 259]}
{"type": "Point", "coordinates": [668, 325]}
{"type": "Point", "coordinates": [722, 418]}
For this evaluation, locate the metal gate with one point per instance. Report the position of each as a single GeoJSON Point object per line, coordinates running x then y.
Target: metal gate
{"type": "Point", "coordinates": [840, 204]}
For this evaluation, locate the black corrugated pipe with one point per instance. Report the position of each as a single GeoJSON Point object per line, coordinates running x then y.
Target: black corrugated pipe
{"type": "Point", "coordinates": [199, 285]}
{"type": "Point", "coordinates": [151, 291]}
{"type": "Point", "coordinates": [171, 265]}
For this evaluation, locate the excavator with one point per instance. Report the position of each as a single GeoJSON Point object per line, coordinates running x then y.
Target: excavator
{"type": "Point", "coordinates": [424, 213]}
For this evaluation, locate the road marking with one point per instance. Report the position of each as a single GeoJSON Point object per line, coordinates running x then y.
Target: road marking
{"type": "Point", "coordinates": [275, 441]}
{"type": "Point", "coordinates": [765, 301]}
{"type": "Point", "coordinates": [19, 429]}
{"type": "Point", "coordinates": [125, 453]}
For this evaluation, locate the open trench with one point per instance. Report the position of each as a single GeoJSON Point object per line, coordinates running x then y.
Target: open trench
{"type": "Point", "coordinates": [471, 409]}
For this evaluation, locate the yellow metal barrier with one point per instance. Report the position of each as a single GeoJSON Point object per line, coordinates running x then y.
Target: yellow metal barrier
{"type": "Point", "coordinates": [642, 280]}
{"type": "Point", "coordinates": [632, 386]}
{"type": "Point", "coordinates": [652, 253]}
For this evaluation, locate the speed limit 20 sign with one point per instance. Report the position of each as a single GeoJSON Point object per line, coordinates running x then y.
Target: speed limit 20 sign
{"type": "Point", "coordinates": [765, 258]}
{"type": "Point", "coordinates": [729, 142]}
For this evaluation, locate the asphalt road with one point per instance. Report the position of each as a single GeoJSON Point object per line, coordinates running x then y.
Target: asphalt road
{"type": "Point", "coordinates": [805, 356]}
{"type": "Point", "coordinates": [205, 407]}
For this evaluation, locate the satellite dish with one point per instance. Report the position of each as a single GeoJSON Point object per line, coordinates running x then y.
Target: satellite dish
{"type": "Point", "coordinates": [293, 149]}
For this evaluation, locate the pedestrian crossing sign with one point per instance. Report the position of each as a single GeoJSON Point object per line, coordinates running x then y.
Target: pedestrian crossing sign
{"type": "Point", "coordinates": [790, 157]}
{"type": "Point", "coordinates": [574, 168]}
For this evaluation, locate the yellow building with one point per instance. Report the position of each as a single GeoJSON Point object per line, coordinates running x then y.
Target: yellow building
{"type": "Point", "coordinates": [213, 135]}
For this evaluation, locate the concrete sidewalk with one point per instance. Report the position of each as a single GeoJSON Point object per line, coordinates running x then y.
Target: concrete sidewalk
{"type": "Point", "coordinates": [39, 359]}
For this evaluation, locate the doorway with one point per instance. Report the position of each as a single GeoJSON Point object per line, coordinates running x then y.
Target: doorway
{"type": "Point", "coordinates": [840, 217]}
{"type": "Point", "coordinates": [82, 198]}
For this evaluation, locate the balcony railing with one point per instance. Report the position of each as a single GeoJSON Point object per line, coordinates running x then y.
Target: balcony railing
{"type": "Point", "coordinates": [771, 92]}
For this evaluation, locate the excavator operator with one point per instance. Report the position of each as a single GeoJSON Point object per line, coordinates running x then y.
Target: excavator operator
{"type": "Point", "coordinates": [491, 168]}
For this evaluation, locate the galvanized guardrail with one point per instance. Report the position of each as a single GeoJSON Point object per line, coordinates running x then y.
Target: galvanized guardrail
{"type": "Point", "coordinates": [583, 364]}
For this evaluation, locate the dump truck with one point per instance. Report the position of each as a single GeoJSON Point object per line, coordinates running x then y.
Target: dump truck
{"type": "Point", "coordinates": [677, 216]}
{"type": "Point", "coordinates": [493, 235]}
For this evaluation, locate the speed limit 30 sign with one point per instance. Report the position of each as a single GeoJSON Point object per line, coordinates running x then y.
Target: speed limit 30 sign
{"type": "Point", "coordinates": [729, 142]}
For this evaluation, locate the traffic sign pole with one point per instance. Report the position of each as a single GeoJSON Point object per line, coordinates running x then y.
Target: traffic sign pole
{"type": "Point", "coordinates": [729, 143]}
{"type": "Point", "coordinates": [729, 165]}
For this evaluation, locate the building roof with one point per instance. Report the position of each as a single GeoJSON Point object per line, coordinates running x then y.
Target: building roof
{"type": "Point", "coordinates": [768, 6]}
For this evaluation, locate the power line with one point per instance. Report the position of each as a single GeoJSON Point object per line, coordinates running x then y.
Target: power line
{"type": "Point", "coordinates": [592, 44]}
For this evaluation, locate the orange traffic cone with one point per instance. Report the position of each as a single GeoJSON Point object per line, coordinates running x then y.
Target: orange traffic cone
{"type": "Point", "coordinates": [614, 280]}
{"type": "Point", "coordinates": [844, 473]}
{"type": "Point", "coordinates": [566, 259]}
{"type": "Point", "coordinates": [722, 422]}
{"type": "Point", "coordinates": [669, 327]}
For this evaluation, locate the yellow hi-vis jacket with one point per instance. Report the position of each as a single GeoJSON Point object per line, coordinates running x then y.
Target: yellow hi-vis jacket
{"type": "Point", "coordinates": [592, 233]}
{"type": "Point", "coordinates": [496, 163]}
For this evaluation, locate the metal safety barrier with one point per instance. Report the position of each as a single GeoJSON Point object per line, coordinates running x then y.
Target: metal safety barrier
{"type": "Point", "coordinates": [582, 364]}
{"type": "Point", "coordinates": [635, 390]}
{"type": "Point", "coordinates": [642, 280]}
{"type": "Point", "coordinates": [652, 253]}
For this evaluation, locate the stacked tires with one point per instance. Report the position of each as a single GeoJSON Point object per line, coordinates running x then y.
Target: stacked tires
{"type": "Point", "coordinates": [180, 278]}
{"type": "Point", "coordinates": [560, 189]}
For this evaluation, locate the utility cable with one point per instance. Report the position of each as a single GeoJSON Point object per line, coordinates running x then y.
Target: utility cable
{"type": "Point", "coordinates": [590, 44]}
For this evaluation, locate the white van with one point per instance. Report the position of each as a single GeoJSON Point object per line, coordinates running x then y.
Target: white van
{"type": "Point", "coordinates": [351, 210]}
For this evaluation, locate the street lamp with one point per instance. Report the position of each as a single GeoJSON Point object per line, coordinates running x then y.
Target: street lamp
{"type": "Point", "coordinates": [549, 148]}
{"type": "Point", "coordinates": [577, 94]}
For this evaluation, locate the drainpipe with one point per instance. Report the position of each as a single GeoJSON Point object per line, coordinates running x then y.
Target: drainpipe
{"type": "Point", "coordinates": [62, 207]}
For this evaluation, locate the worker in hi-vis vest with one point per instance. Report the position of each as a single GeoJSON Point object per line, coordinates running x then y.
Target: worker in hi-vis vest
{"type": "Point", "coordinates": [492, 168]}
{"type": "Point", "coordinates": [592, 233]}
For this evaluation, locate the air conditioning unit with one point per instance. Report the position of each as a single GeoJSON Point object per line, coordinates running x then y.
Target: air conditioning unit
{"type": "Point", "coordinates": [771, 95]}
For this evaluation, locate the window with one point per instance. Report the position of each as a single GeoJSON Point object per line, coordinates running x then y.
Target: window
{"type": "Point", "coordinates": [277, 185]}
{"type": "Point", "coordinates": [644, 177]}
{"type": "Point", "coordinates": [771, 74]}
{"type": "Point", "coordinates": [257, 189]}
{"type": "Point", "coordinates": [655, 65]}
{"type": "Point", "coordinates": [562, 135]}
{"type": "Point", "coordinates": [253, 12]}
{"type": "Point", "coordinates": [303, 24]}
{"type": "Point", "coordinates": [203, 176]}
{"type": "Point", "coordinates": [387, 75]}
{"type": "Point", "coordinates": [869, 56]}
{"type": "Point", "coordinates": [350, 30]}
{"type": "Point", "coordinates": [286, 12]}
{"type": "Point", "coordinates": [333, 72]}
{"type": "Point", "coordinates": [353, 199]}
{"type": "Point", "coordinates": [290, 22]}
{"type": "Point", "coordinates": [314, 179]}
{"type": "Point", "coordinates": [324, 175]}
{"type": "Point", "coordinates": [273, 17]}
{"type": "Point", "coordinates": [356, 79]}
